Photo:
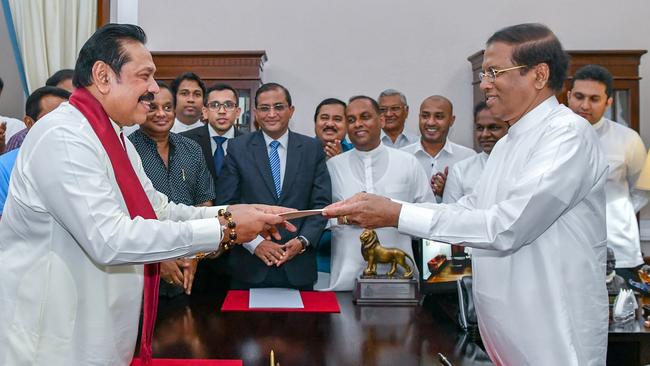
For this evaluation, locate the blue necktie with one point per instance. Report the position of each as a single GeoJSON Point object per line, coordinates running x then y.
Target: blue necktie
{"type": "Point", "coordinates": [219, 154]}
{"type": "Point", "coordinates": [274, 160]}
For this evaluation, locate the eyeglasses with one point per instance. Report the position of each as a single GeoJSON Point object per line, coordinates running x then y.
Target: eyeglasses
{"type": "Point", "coordinates": [392, 109]}
{"type": "Point", "coordinates": [227, 105]}
{"type": "Point", "coordinates": [492, 73]}
{"type": "Point", "coordinates": [278, 107]}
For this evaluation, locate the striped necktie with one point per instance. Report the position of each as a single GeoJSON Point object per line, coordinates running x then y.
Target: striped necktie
{"type": "Point", "coordinates": [274, 160]}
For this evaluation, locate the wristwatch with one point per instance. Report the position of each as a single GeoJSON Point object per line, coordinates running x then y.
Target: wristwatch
{"type": "Point", "coordinates": [304, 242]}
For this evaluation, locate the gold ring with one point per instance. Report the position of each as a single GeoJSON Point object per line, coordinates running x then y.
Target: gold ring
{"type": "Point", "coordinates": [345, 219]}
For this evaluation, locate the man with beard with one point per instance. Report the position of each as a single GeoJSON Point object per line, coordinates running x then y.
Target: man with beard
{"type": "Point", "coordinates": [393, 106]}
{"type": "Point", "coordinates": [589, 96]}
{"type": "Point", "coordinates": [464, 174]}
{"type": "Point", "coordinates": [375, 168]}
{"type": "Point", "coordinates": [82, 217]}
{"type": "Point", "coordinates": [189, 90]}
{"type": "Point", "coordinates": [536, 217]}
{"type": "Point", "coordinates": [435, 152]}
{"type": "Point", "coordinates": [330, 126]}
{"type": "Point", "coordinates": [176, 168]}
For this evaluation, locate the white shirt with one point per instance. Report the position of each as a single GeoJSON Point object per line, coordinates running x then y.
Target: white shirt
{"type": "Point", "coordinates": [384, 171]}
{"type": "Point", "coordinates": [282, 153]}
{"type": "Point", "coordinates": [450, 154]}
{"type": "Point", "coordinates": [463, 176]}
{"type": "Point", "coordinates": [72, 273]}
{"type": "Point", "coordinates": [403, 139]}
{"type": "Point", "coordinates": [179, 126]}
{"type": "Point", "coordinates": [13, 125]}
{"type": "Point", "coordinates": [228, 135]}
{"type": "Point", "coordinates": [536, 219]}
{"type": "Point", "coordinates": [626, 155]}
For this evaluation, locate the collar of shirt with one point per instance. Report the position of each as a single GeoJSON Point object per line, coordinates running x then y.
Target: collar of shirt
{"type": "Point", "coordinates": [369, 154]}
{"type": "Point", "coordinates": [404, 136]}
{"type": "Point", "coordinates": [447, 148]}
{"type": "Point", "coordinates": [600, 124]}
{"type": "Point", "coordinates": [283, 140]}
{"type": "Point", "coordinates": [118, 130]}
{"type": "Point", "coordinates": [533, 118]}
{"type": "Point", "coordinates": [229, 134]}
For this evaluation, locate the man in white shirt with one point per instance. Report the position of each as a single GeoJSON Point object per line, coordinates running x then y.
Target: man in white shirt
{"type": "Point", "coordinates": [70, 247]}
{"type": "Point", "coordinates": [189, 90]}
{"type": "Point", "coordinates": [435, 152]}
{"type": "Point", "coordinates": [463, 175]}
{"type": "Point", "coordinates": [8, 126]}
{"type": "Point", "coordinates": [536, 218]}
{"type": "Point", "coordinates": [374, 168]}
{"type": "Point", "coordinates": [393, 106]}
{"type": "Point", "coordinates": [589, 96]}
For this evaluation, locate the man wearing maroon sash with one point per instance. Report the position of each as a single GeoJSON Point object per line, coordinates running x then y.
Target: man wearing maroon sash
{"type": "Point", "coordinates": [82, 218]}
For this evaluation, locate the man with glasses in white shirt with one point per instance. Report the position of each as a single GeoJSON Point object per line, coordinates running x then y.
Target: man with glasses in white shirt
{"type": "Point", "coordinates": [536, 217]}
{"type": "Point", "coordinates": [392, 104]}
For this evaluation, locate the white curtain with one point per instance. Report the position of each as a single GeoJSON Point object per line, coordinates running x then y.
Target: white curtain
{"type": "Point", "coordinates": [50, 34]}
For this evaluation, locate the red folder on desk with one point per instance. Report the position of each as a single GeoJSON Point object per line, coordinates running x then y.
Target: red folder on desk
{"type": "Point", "coordinates": [188, 362]}
{"type": "Point", "coordinates": [314, 302]}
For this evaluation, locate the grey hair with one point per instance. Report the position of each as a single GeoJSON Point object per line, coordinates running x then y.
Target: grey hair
{"type": "Point", "coordinates": [391, 92]}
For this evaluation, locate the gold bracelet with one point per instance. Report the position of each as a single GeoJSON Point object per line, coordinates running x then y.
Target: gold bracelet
{"type": "Point", "coordinates": [230, 225]}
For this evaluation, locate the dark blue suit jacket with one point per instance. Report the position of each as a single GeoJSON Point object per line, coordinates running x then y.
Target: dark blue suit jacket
{"type": "Point", "coordinates": [246, 178]}
{"type": "Point", "coordinates": [202, 136]}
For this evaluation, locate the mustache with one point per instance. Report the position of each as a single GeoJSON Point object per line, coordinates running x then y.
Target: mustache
{"type": "Point", "coordinates": [148, 97]}
{"type": "Point", "coordinates": [330, 129]}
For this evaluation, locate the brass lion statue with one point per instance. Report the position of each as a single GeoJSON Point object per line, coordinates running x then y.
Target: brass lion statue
{"type": "Point", "coordinates": [374, 253]}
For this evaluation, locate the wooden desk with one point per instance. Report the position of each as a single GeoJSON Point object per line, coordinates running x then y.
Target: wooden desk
{"type": "Point", "coordinates": [372, 336]}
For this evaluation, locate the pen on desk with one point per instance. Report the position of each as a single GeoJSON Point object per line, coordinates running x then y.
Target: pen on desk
{"type": "Point", "coordinates": [443, 360]}
{"type": "Point", "coordinates": [272, 358]}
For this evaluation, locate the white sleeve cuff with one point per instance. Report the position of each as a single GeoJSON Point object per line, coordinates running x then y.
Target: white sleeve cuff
{"type": "Point", "coordinates": [206, 235]}
{"type": "Point", "coordinates": [252, 245]}
{"type": "Point", "coordinates": [415, 221]}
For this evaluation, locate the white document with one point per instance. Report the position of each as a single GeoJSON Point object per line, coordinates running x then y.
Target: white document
{"type": "Point", "coordinates": [275, 298]}
{"type": "Point", "coordinates": [298, 214]}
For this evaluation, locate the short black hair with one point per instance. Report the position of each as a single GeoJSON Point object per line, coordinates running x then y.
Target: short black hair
{"type": "Point", "coordinates": [163, 85]}
{"type": "Point", "coordinates": [220, 87]}
{"type": "Point", "coordinates": [534, 44]}
{"type": "Point", "coordinates": [33, 103]}
{"type": "Point", "coordinates": [595, 73]}
{"type": "Point", "coordinates": [2, 84]}
{"type": "Point", "coordinates": [271, 86]}
{"type": "Point", "coordinates": [107, 45]}
{"type": "Point", "coordinates": [372, 101]}
{"type": "Point", "coordinates": [176, 83]}
{"type": "Point", "coordinates": [481, 106]}
{"type": "Point", "coordinates": [328, 101]}
{"type": "Point", "coordinates": [59, 76]}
